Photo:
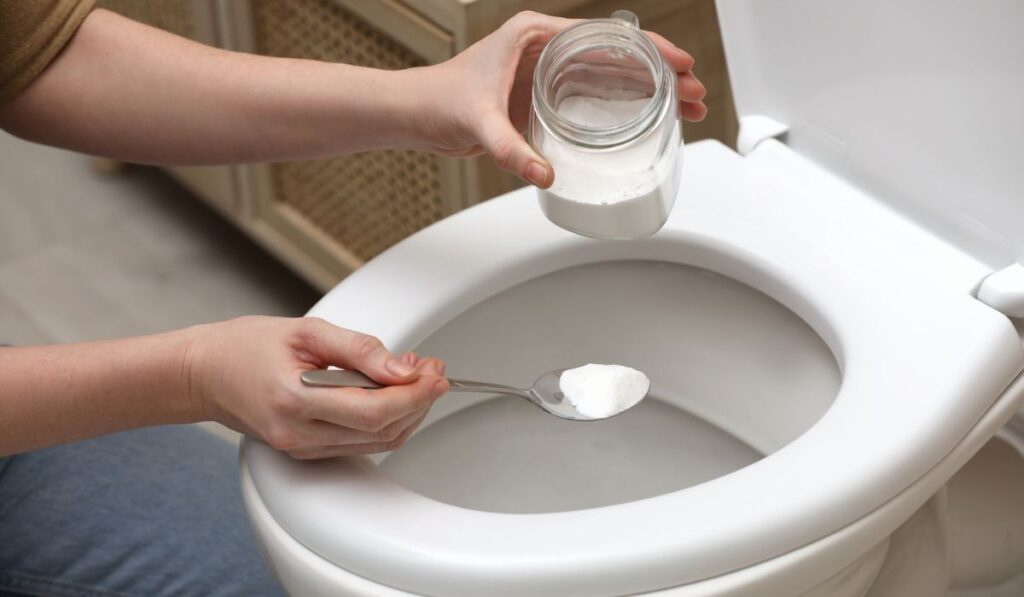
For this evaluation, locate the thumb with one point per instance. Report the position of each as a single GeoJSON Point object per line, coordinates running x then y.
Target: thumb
{"type": "Point", "coordinates": [431, 366]}
{"type": "Point", "coordinates": [360, 352]}
{"type": "Point", "coordinates": [512, 153]}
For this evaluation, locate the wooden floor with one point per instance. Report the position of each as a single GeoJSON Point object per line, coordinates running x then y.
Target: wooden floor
{"type": "Point", "coordinates": [86, 255]}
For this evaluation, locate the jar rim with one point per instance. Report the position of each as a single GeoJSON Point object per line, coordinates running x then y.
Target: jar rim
{"type": "Point", "coordinates": [586, 36]}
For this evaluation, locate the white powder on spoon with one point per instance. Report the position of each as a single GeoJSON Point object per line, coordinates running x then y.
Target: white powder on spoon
{"type": "Point", "coordinates": [600, 391]}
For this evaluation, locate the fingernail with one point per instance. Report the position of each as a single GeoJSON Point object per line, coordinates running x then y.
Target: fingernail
{"type": "Point", "coordinates": [440, 386]}
{"type": "Point", "coordinates": [536, 174]}
{"type": "Point", "coordinates": [398, 368]}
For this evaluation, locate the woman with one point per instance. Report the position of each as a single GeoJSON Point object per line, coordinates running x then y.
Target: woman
{"type": "Point", "coordinates": [157, 511]}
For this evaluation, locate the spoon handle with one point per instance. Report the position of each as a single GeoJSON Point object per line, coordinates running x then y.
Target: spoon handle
{"type": "Point", "coordinates": [339, 378]}
{"type": "Point", "coordinates": [482, 387]}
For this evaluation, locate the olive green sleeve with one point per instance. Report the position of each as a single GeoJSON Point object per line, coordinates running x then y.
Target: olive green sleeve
{"type": "Point", "coordinates": [32, 33]}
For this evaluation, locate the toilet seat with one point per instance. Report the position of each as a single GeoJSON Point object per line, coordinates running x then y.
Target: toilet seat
{"type": "Point", "coordinates": [899, 303]}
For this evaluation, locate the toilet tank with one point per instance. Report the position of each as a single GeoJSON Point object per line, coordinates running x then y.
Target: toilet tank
{"type": "Point", "coordinates": [916, 102]}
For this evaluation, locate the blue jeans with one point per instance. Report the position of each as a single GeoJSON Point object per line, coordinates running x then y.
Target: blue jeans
{"type": "Point", "coordinates": [148, 512]}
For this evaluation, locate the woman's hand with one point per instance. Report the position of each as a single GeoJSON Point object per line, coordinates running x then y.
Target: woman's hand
{"type": "Point", "coordinates": [480, 99]}
{"type": "Point", "coordinates": [244, 373]}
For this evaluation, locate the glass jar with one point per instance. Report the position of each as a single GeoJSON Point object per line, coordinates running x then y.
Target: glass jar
{"type": "Point", "coordinates": [605, 115]}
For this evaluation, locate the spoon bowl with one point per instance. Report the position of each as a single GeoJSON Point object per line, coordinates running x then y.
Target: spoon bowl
{"type": "Point", "coordinates": [545, 393]}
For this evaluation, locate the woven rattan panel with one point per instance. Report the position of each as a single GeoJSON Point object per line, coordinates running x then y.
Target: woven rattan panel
{"type": "Point", "coordinates": [365, 202]}
{"type": "Point", "coordinates": [176, 16]}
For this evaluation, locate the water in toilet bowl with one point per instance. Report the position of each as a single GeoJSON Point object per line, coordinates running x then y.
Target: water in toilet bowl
{"type": "Point", "coordinates": [734, 375]}
{"type": "Point", "coordinates": [508, 456]}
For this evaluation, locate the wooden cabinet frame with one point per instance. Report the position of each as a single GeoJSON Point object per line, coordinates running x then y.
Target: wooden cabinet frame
{"type": "Point", "coordinates": [432, 30]}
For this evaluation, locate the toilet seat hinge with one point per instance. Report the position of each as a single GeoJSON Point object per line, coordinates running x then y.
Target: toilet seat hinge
{"type": "Point", "coordinates": [1004, 290]}
{"type": "Point", "coordinates": [755, 128]}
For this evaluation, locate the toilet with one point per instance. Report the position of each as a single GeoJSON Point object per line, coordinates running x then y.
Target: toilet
{"type": "Point", "coordinates": [829, 319]}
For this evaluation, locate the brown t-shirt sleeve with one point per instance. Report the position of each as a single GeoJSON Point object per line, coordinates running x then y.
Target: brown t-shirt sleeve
{"type": "Point", "coordinates": [32, 33]}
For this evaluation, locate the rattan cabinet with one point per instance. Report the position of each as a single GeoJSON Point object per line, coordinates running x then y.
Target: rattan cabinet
{"type": "Point", "coordinates": [326, 217]}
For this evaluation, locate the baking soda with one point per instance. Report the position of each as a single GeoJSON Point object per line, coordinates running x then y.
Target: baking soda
{"type": "Point", "coordinates": [601, 113]}
{"type": "Point", "coordinates": [600, 391]}
{"type": "Point", "coordinates": [625, 193]}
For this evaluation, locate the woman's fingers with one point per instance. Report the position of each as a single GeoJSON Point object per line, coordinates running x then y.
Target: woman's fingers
{"type": "Point", "coordinates": [690, 89]}
{"type": "Point", "coordinates": [693, 112]}
{"type": "Point", "coordinates": [431, 366]}
{"type": "Point", "coordinates": [353, 421]}
{"type": "Point", "coordinates": [410, 358]}
{"type": "Point", "coordinates": [332, 345]}
{"type": "Point", "coordinates": [530, 27]}
{"type": "Point", "coordinates": [409, 430]}
{"type": "Point", "coordinates": [320, 434]}
{"type": "Point", "coordinates": [691, 94]}
{"type": "Point", "coordinates": [503, 53]}
{"type": "Point", "coordinates": [372, 410]}
{"type": "Point", "coordinates": [523, 34]}
{"type": "Point", "coordinates": [510, 150]}
{"type": "Point", "coordinates": [359, 449]}
{"type": "Point", "coordinates": [676, 57]}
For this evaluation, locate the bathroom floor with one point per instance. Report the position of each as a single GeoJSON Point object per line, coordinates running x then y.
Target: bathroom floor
{"type": "Point", "coordinates": [86, 255]}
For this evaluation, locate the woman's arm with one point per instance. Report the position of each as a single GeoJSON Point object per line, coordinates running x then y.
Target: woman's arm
{"type": "Point", "coordinates": [243, 373]}
{"type": "Point", "coordinates": [128, 91]}
{"type": "Point", "coordinates": [54, 394]}
{"type": "Point", "coordinates": [124, 90]}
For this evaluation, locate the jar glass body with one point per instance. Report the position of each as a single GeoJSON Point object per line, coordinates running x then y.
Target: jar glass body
{"type": "Point", "coordinates": [606, 116]}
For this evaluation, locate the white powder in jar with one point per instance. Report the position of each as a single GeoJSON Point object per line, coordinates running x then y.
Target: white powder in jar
{"type": "Point", "coordinates": [600, 391]}
{"type": "Point", "coordinates": [619, 194]}
{"type": "Point", "coordinates": [601, 113]}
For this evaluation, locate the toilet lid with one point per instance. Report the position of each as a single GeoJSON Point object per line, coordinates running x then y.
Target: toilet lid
{"type": "Point", "coordinates": [922, 362]}
{"type": "Point", "coordinates": [918, 102]}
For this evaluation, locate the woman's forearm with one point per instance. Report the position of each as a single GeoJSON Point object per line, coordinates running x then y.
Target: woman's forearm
{"type": "Point", "coordinates": [55, 394]}
{"type": "Point", "coordinates": [127, 91]}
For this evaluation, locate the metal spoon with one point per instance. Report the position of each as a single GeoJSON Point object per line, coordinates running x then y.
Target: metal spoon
{"type": "Point", "coordinates": [544, 393]}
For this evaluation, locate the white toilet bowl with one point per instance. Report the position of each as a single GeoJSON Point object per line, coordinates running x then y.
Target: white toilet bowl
{"type": "Point", "coordinates": [821, 369]}
{"type": "Point", "coordinates": [861, 423]}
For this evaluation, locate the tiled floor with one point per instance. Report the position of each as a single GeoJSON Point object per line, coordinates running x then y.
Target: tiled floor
{"type": "Point", "coordinates": [86, 255]}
